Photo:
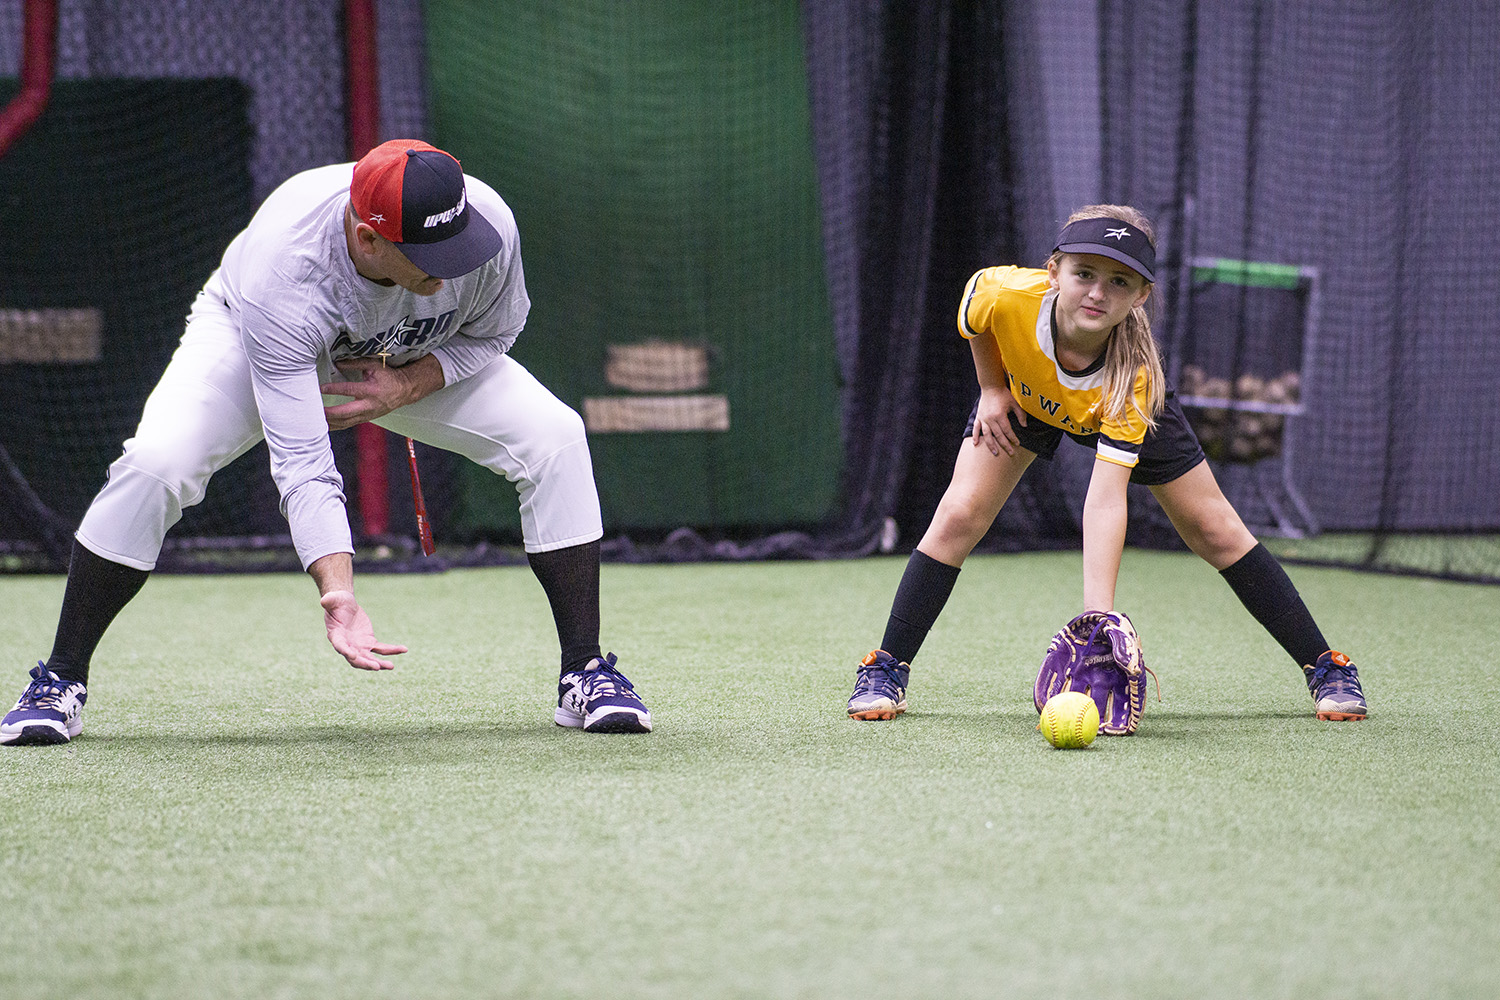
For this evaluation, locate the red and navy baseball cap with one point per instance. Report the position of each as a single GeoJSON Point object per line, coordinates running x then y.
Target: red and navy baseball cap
{"type": "Point", "coordinates": [413, 194]}
{"type": "Point", "coordinates": [1112, 238]}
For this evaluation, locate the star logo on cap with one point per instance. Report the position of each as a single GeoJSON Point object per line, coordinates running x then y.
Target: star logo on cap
{"type": "Point", "coordinates": [1118, 234]}
{"type": "Point", "coordinates": [376, 217]}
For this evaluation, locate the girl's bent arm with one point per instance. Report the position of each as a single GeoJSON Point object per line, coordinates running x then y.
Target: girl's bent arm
{"type": "Point", "coordinates": [992, 420]}
{"type": "Point", "coordinates": [989, 366]}
{"type": "Point", "coordinates": [1104, 515]}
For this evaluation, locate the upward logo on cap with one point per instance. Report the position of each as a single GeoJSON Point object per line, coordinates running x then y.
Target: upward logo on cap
{"type": "Point", "coordinates": [449, 215]}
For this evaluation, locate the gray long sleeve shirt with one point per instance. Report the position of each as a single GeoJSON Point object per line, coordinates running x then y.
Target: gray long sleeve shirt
{"type": "Point", "coordinates": [301, 307]}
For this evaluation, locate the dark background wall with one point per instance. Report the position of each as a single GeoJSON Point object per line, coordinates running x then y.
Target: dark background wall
{"type": "Point", "coordinates": [936, 138]}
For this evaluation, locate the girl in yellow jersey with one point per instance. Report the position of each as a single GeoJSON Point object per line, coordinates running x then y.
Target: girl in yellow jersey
{"type": "Point", "coordinates": [1067, 350]}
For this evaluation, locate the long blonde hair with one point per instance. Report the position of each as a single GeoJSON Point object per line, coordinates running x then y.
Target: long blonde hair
{"type": "Point", "coordinates": [1131, 346]}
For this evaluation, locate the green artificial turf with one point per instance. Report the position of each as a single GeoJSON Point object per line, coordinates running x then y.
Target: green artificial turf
{"type": "Point", "coordinates": [245, 816]}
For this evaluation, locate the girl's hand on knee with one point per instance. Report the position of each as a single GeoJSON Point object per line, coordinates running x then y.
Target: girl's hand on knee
{"type": "Point", "coordinates": [992, 422]}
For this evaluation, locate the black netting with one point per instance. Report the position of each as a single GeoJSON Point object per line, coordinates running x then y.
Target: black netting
{"type": "Point", "coordinates": [1318, 175]}
{"type": "Point", "coordinates": [127, 192]}
{"type": "Point", "coordinates": [168, 122]}
{"type": "Point", "coordinates": [936, 162]}
{"type": "Point", "coordinates": [1349, 147]}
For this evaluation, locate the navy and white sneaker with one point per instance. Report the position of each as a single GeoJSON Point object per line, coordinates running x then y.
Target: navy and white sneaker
{"type": "Point", "coordinates": [879, 687]}
{"type": "Point", "coordinates": [1334, 684]}
{"type": "Point", "coordinates": [50, 710]}
{"type": "Point", "coordinates": [600, 699]}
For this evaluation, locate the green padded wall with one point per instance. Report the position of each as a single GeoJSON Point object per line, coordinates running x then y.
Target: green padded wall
{"type": "Point", "coordinates": [658, 157]}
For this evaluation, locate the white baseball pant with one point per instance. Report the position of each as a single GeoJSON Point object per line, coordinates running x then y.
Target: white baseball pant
{"type": "Point", "coordinates": [202, 415]}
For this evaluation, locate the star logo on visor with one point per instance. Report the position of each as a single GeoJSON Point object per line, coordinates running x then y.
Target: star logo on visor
{"type": "Point", "coordinates": [376, 217]}
{"type": "Point", "coordinates": [1118, 234]}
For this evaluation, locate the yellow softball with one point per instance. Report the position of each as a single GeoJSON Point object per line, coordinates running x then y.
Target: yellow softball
{"type": "Point", "coordinates": [1069, 720]}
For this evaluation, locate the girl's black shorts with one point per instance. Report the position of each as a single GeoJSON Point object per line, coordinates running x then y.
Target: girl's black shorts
{"type": "Point", "coordinates": [1168, 452]}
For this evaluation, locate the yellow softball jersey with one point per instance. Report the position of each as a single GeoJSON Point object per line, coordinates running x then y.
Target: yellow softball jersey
{"type": "Point", "coordinates": [1014, 305]}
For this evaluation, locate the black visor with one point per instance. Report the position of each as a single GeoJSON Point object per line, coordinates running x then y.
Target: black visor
{"type": "Point", "coordinates": [1112, 238]}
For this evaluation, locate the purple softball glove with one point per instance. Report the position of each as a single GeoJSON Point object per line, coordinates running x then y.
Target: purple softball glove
{"type": "Point", "coordinates": [1099, 654]}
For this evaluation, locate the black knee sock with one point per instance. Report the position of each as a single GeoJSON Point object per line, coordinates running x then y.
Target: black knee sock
{"type": "Point", "coordinates": [1265, 590]}
{"type": "Point", "coordinates": [97, 590]}
{"type": "Point", "coordinates": [923, 591]}
{"type": "Point", "coordinates": [571, 579]}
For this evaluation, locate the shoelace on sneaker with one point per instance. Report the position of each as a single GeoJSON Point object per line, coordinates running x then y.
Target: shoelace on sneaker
{"type": "Point", "coordinates": [45, 691]}
{"type": "Point", "coordinates": [1337, 679]}
{"type": "Point", "coordinates": [606, 680]}
{"type": "Point", "coordinates": [875, 679]}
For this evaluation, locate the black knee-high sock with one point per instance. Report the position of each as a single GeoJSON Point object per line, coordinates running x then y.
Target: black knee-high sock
{"type": "Point", "coordinates": [920, 597]}
{"type": "Point", "coordinates": [97, 590]}
{"type": "Point", "coordinates": [570, 577]}
{"type": "Point", "coordinates": [1265, 590]}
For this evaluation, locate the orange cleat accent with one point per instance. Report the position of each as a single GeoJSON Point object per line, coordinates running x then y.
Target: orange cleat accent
{"type": "Point", "coordinates": [877, 714]}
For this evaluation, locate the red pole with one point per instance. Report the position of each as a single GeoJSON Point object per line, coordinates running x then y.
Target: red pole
{"type": "Point", "coordinates": [38, 54]}
{"type": "Point", "coordinates": [363, 79]}
{"type": "Point", "coordinates": [364, 134]}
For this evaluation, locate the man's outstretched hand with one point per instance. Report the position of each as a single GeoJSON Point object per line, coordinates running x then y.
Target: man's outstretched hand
{"type": "Point", "coordinates": [350, 632]}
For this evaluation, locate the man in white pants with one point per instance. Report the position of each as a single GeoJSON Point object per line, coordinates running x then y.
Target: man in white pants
{"type": "Point", "coordinates": [396, 284]}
